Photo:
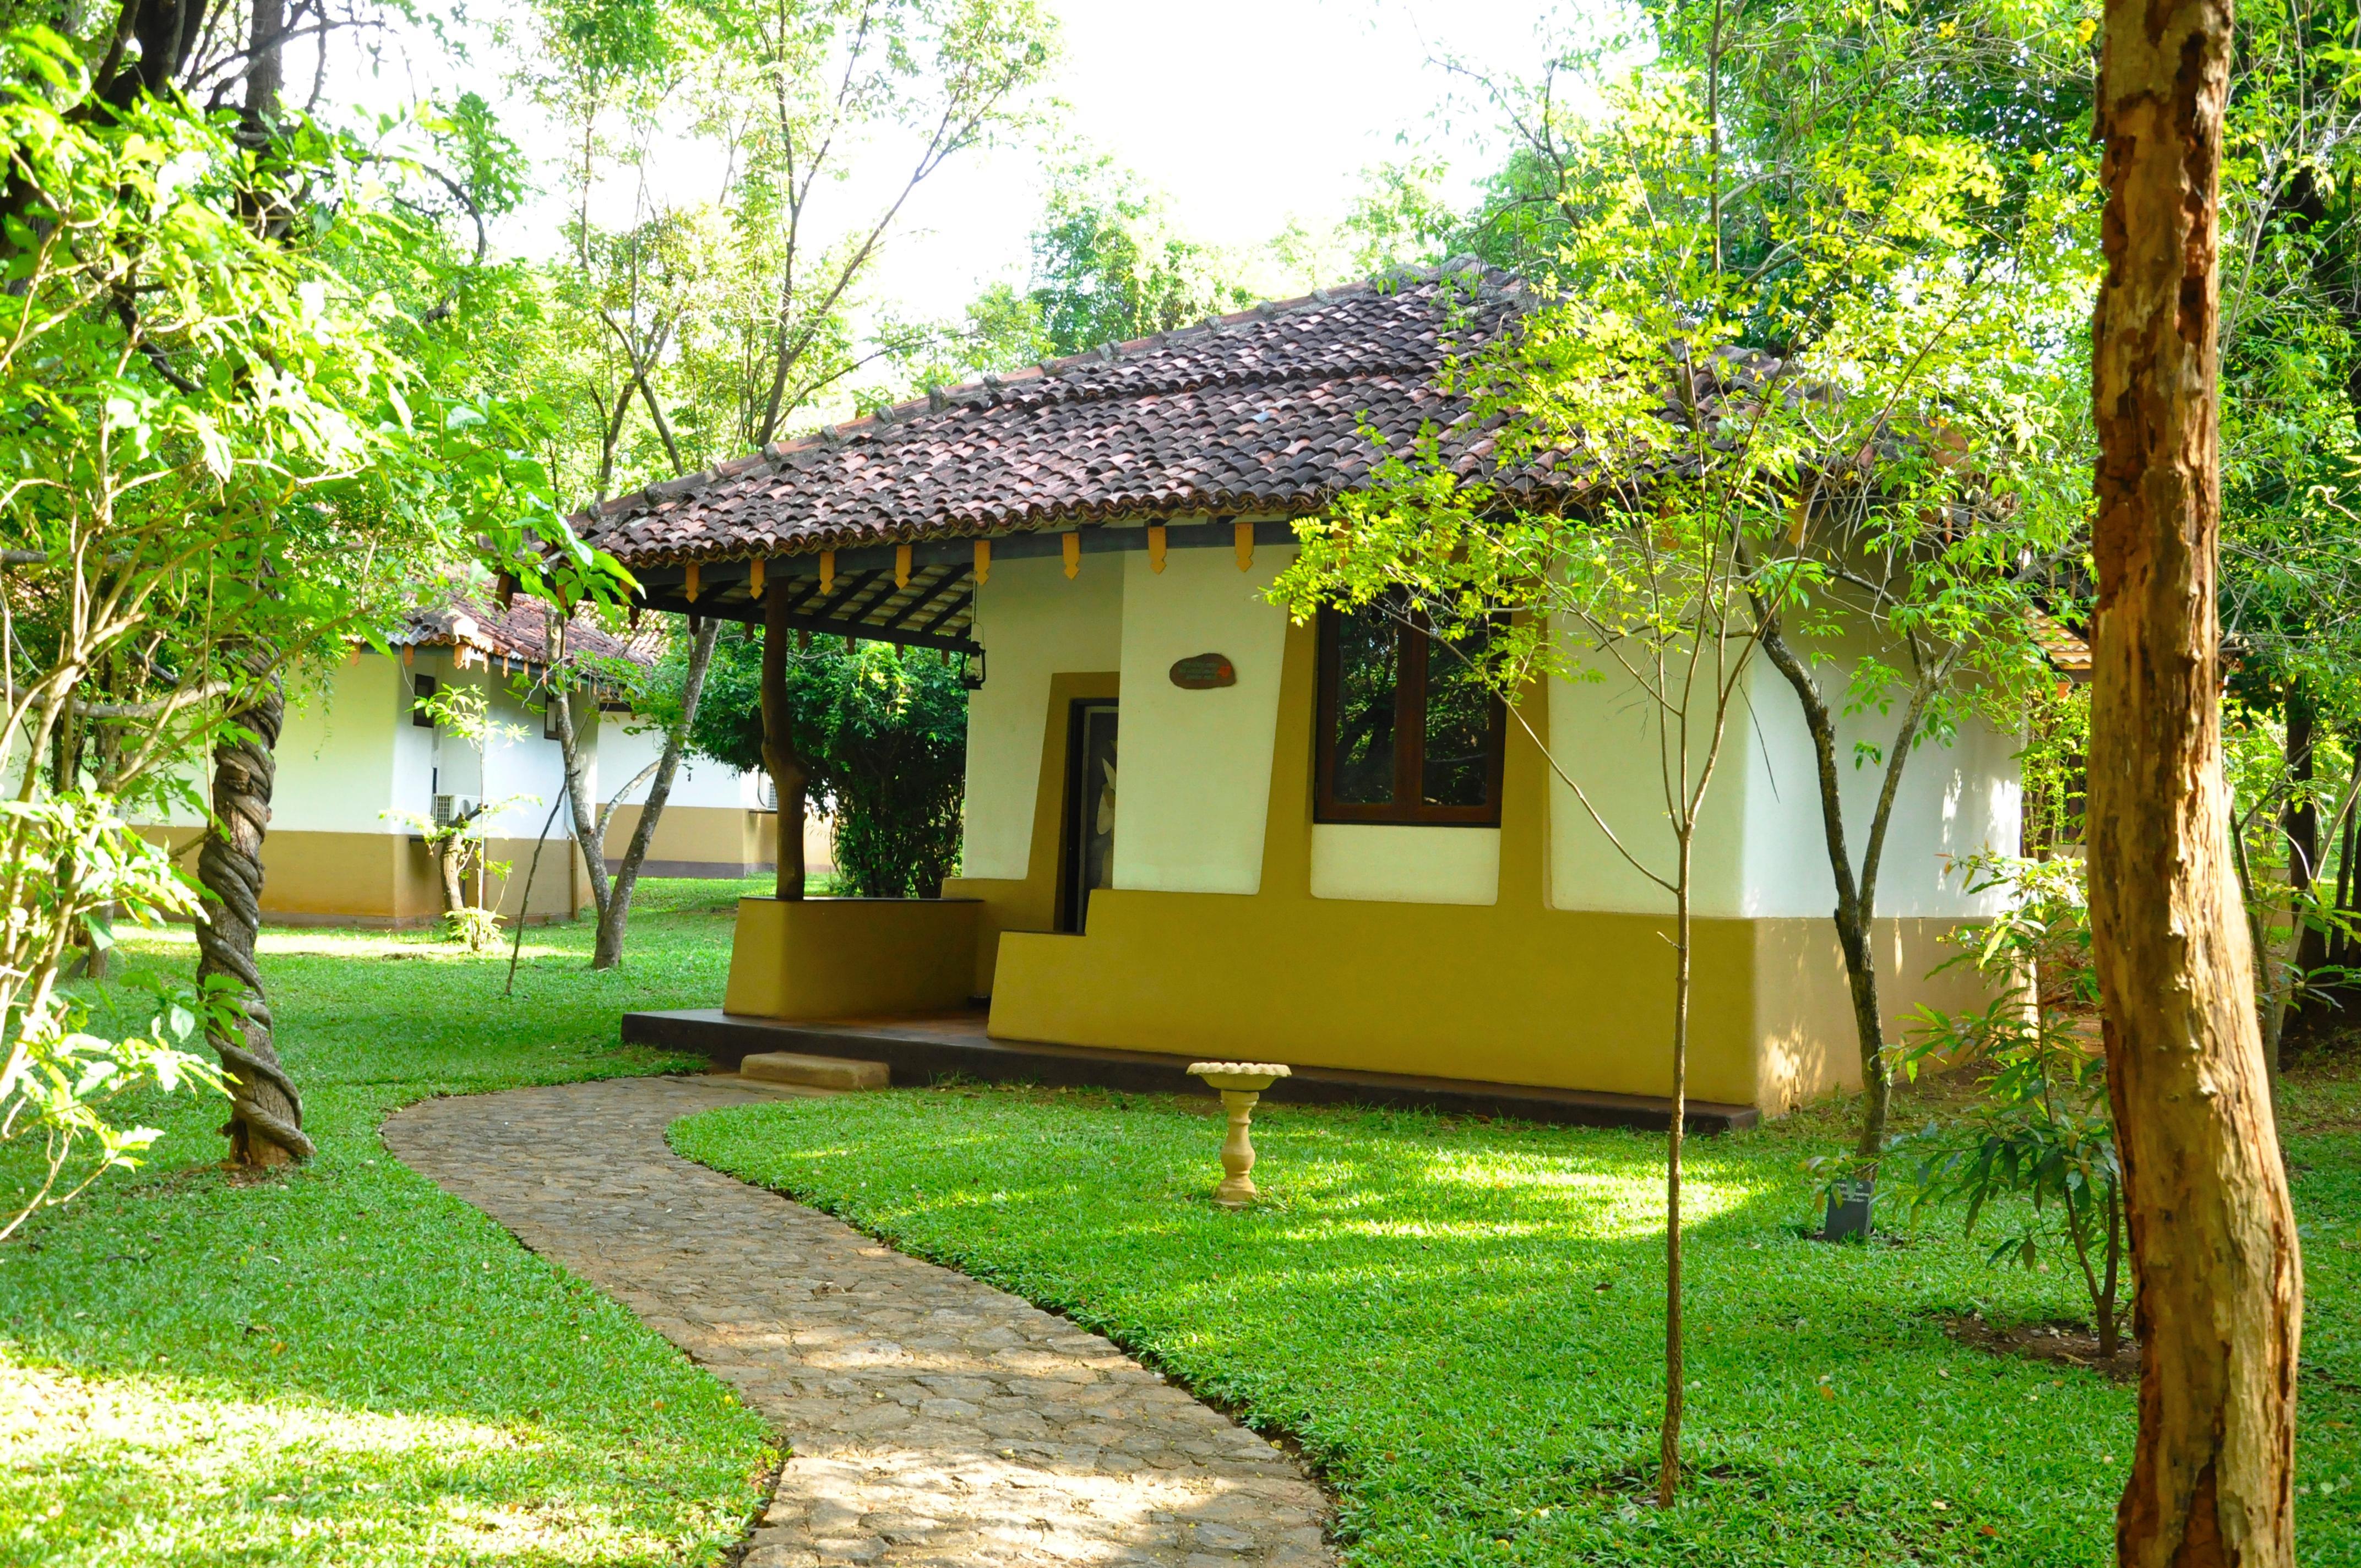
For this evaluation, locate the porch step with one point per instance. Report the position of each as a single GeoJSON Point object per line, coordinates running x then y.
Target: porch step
{"type": "Point", "coordinates": [816, 1072]}
{"type": "Point", "coordinates": [920, 1048]}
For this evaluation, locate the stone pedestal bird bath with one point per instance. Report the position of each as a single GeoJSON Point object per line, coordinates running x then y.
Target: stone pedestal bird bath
{"type": "Point", "coordinates": [1241, 1084]}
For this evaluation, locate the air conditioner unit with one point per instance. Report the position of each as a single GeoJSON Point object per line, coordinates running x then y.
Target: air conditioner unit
{"type": "Point", "coordinates": [450, 808]}
{"type": "Point", "coordinates": [770, 794]}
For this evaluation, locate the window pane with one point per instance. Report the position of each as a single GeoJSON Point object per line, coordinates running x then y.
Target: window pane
{"type": "Point", "coordinates": [1457, 770]}
{"type": "Point", "coordinates": [1369, 671]}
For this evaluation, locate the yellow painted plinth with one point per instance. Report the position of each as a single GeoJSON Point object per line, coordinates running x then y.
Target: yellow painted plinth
{"type": "Point", "coordinates": [838, 958]}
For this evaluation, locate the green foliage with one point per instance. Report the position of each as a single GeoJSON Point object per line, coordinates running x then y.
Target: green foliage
{"type": "Point", "coordinates": [894, 728]}
{"type": "Point", "coordinates": [1108, 265]}
{"type": "Point", "coordinates": [2052, 765]}
{"type": "Point", "coordinates": [884, 731]}
{"type": "Point", "coordinates": [75, 868]}
{"type": "Point", "coordinates": [344, 1366]}
{"type": "Point", "coordinates": [718, 313]}
{"type": "Point", "coordinates": [2290, 347]}
{"type": "Point", "coordinates": [1748, 438]}
{"type": "Point", "coordinates": [1456, 1319]}
{"type": "Point", "coordinates": [2041, 1128]}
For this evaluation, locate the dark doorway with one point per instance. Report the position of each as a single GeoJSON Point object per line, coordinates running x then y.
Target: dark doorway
{"type": "Point", "coordinates": [1087, 860]}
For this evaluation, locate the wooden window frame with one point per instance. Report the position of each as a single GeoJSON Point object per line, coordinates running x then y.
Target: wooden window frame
{"type": "Point", "coordinates": [1407, 808]}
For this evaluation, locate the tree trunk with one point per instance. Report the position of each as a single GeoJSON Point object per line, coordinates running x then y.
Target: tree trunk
{"type": "Point", "coordinates": [266, 1117]}
{"type": "Point", "coordinates": [1668, 1452]}
{"type": "Point", "coordinates": [2218, 1287]}
{"type": "Point", "coordinates": [266, 74]}
{"type": "Point", "coordinates": [589, 822]}
{"type": "Point", "coordinates": [616, 914]}
{"type": "Point", "coordinates": [1856, 898]}
{"type": "Point", "coordinates": [790, 775]}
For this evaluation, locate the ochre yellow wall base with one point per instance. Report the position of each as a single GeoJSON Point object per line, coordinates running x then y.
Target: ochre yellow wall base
{"type": "Point", "coordinates": [699, 840]}
{"type": "Point", "coordinates": [389, 880]}
{"type": "Point", "coordinates": [835, 958]}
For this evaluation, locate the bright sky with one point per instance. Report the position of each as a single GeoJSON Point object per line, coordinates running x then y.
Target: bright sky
{"type": "Point", "coordinates": [1245, 113]}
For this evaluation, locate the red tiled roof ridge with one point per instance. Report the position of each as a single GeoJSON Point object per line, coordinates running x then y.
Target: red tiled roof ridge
{"type": "Point", "coordinates": [984, 391]}
{"type": "Point", "coordinates": [517, 631]}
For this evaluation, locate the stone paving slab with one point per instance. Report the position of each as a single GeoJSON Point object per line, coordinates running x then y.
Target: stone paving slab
{"type": "Point", "coordinates": [933, 1419]}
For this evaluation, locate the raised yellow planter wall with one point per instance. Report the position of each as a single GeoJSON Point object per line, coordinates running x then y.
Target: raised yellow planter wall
{"type": "Point", "coordinates": [834, 957]}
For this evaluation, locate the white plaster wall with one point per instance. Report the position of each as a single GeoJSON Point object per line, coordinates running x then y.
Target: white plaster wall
{"type": "Point", "coordinates": [1033, 624]}
{"type": "Point", "coordinates": [527, 771]}
{"type": "Point", "coordinates": [336, 752]}
{"type": "Point", "coordinates": [1604, 734]}
{"type": "Point", "coordinates": [413, 747]}
{"type": "Point", "coordinates": [1401, 863]}
{"type": "Point", "coordinates": [628, 744]}
{"type": "Point", "coordinates": [1193, 775]}
{"type": "Point", "coordinates": [1955, 800]}
{"type": "Point", "coordinates": [335, 764]}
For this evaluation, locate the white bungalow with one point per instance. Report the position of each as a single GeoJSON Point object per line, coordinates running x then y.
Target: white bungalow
{"type": "Point", "coordinates": [360, 768]}
{"type": "Point", "coordinates": [1413, 909]}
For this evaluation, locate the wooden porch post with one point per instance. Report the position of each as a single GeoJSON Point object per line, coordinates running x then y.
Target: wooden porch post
{"type": "Point", "coordinates": [790, 778]}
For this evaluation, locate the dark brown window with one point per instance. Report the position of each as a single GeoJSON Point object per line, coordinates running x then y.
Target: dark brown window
{"type": "Point", "coordinates": [1407, 731]}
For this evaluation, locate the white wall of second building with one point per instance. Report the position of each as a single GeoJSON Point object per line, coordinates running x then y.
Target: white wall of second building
{"type": "Point", "coordinates": [340, 755]}
{"type": "Point", "coordinates": [415, 746]}
{"type": "Point", "coordinates": [1955, 800]}
{"type": "Point", "coordinates": [523, 770]}
{"type": "Point", "coordinates": [628, 744]}
{"type": "Point", "coordinates": [335, 772]}
{"type": "Point", "coordinates": [1192, 795]}
{"type": "Point", "coordinates": [1033, 623]}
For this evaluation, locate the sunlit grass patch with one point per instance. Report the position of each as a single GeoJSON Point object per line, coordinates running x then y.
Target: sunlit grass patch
{"type": "Point", "coordinates": [1461, 1322]}
{"type": "Point", "coordinates": [342, 1363]}
{"type": "Point", "coordinates": [141, 1467]}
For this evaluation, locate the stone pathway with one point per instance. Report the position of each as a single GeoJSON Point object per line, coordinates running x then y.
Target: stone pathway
{"type": "Point", "coordinates": [934, 1420]}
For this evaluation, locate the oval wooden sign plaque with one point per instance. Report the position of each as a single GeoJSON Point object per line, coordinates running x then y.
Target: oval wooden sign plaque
{"type": "Point", "coordinates": [1203, 672]}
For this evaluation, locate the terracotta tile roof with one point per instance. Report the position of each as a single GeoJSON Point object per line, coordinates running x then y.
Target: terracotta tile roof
{"type": "Point", "coordinates": [518, 632]}
{"type": "Point", "coordinates": [2068, 653]}
{"type": "Point", "coordinates": [1258, 413]}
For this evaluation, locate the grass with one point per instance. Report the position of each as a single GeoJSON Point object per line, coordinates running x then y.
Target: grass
{"type": "Point", "coordinates": [1460, 1322]}
{"type": "Point", "coordinates": [343, 1366]}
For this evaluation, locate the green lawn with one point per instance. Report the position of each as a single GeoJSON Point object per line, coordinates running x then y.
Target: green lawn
{"type": "Point", "coordinates": [343, 1367]}
{"type": "Point", "coordinates": [1459, 1322]}
{"type": "Point", "coordinates": [1456, 1320]}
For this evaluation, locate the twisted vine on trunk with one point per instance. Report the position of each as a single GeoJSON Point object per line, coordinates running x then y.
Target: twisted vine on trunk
{"type": "Point", "coordinates": [265, 1118]}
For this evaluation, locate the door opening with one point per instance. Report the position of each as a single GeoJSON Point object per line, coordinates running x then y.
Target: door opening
{"type": "Point", "coordinates": [1087, 862]}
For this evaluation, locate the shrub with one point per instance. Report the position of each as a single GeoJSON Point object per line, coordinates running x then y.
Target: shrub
{"type": "Point", "coordinates": [2041, 1128]}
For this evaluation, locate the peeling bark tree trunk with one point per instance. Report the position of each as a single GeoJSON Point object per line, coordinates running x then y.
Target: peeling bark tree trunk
{"type": "Point", "coordinates": [265, 1118]}
{"type": "Point", "coordinates": [2218, 1283]}
{"type": "Point", "coordinates": [790, 775]}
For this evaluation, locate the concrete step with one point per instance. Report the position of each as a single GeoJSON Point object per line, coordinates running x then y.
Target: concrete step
{"type": "Point", "coordinates": [816, 1072]}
